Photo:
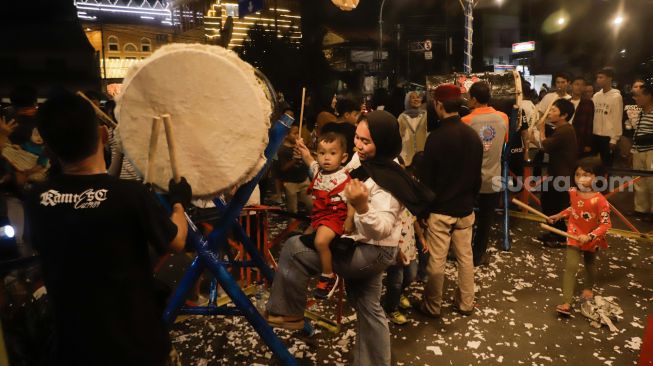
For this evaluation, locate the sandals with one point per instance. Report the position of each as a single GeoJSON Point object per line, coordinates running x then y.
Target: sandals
{"type": "Point", "coordinates": [564, 309]}
{"type": "Point", "coordinates": [281, 322]}
{"type": "Point", "coordinates": [587, 295]}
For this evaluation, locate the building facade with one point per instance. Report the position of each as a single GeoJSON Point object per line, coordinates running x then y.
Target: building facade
{"type": "Point", "coordinates": [280, 16]}
{"type": "Point", "coordinates": [124, 32]}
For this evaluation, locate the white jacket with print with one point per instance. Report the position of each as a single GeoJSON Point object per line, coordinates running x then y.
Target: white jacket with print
{"type": "Point", "coordinates": [608, 109]}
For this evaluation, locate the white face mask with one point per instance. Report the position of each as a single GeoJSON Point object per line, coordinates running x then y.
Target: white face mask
{"type": "Point", "coordinates": [585, 182]}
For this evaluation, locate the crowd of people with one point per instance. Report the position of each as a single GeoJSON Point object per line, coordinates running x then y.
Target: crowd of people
{"type": "Point", "coordinates": [389, 197]}
{"type": "Point", "coordinates": [572, 136]}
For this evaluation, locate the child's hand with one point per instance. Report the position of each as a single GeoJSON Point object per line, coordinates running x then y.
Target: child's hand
{"type": "Point", "coordinates": [552, 219]}
{"type": "Point", "coordinates": [302, 150]}
{"type": "Point", "coordinates": [584, 239]}
{"type": "Point", "coordinates": [401, 258]}
{"type": "Point", "coordinates": [425, 247]}
{"type": "Point", "coordinates": [6, 128]}
{"type": "Point", "coordinates": [349, 225]}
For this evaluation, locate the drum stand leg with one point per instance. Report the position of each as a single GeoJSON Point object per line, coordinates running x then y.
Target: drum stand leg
{"type": "Point", "coordinates": [207, 258]}
{"type": "Point", "coordinates": [506, 201]}
{"type": "Point", "coordinates": [505, 175]}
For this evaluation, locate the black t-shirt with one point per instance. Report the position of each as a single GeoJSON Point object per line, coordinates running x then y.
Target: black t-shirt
{"type": "Point", "coordinates": [92, 232]}
{"type": "Point", "coordinates": [516, 143]}
{"type": "Point", "coordinates": [297, 173]}
{"type": "Point", "coordinates": [346, 129]}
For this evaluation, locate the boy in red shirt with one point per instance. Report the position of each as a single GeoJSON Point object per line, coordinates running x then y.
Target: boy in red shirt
{"type": "Point", "coordinates": [589, 221]}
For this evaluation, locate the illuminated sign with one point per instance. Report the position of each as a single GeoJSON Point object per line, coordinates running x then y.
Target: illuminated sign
{"type": "Point", "coordinates": [502, 68]}
{"type": "Point", "coordinates": [523, 47]}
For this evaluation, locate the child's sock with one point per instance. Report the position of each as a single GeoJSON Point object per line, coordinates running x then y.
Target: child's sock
{"type": "Point", "coordinates": [330, 275]}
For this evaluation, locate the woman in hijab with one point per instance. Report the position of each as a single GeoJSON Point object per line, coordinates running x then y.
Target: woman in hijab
{"type": "Point", "coordinates": [379, 191]}
{"type": "Point", "coordinates": [412, 126]}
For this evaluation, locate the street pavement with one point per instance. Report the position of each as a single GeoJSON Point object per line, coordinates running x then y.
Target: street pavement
{"type": "Point", "coordinates": [514, 323]}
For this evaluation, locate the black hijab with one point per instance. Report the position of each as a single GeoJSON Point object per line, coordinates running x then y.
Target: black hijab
{"type": "Point", "coordinates": [384, 130]}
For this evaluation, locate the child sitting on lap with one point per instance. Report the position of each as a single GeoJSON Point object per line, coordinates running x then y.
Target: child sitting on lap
{"type": "Point", "coordinates": [329, 206]}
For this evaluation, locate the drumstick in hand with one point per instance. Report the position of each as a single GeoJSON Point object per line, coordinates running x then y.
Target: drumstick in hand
{"type": "Point", "coordinates": [529, 208]}
{"type": "Point", "coordinates": [154, 143]}
{"type": "Point", "coordinates": [172, 150]}
{"type": "Point", "coordinates": [301, 111]}
{"type": "Point", "coordinates": [559, 232]}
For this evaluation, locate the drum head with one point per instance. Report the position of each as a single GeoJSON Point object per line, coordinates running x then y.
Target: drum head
{"type": "Point", "coordinates": [219, 112]}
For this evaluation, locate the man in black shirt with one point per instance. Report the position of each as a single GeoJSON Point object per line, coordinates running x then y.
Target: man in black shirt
{"type": "Point", "coordinates": [451, 168]}
{"type": "Point", "coordinates": [91, 231]}
{"type": "Point", "coordinates": [293, 173]}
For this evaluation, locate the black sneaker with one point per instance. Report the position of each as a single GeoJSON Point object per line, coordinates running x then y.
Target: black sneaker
{"type": "Point", "coordinates": [545, 237]}
{"type": "Point", "coordinates": [420, 309]}
{"type": "Point", "coordinates": [326, 286]}
{"type": "Point", "coordinates": [457, 309]}
{"type": "Point", "coordinates": [556, 241]}
{"type": "Point", "coordinates": [483, 261]}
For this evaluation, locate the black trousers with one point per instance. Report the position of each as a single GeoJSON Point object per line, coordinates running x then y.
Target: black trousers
{"type": "Point", "coordinates": [486, 203]}
{"type": "Point", "coordinates": [601, 144]}
{"type": "Point", "coordinates": [552, 203]}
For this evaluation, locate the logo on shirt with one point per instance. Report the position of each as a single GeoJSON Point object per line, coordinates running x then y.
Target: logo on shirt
{"type": "Point", "coordinates": [88, 199]}
{"type": "Point", "coordinates": [601, 108]}
{"type": "Point", "coordinates": [487, 133]}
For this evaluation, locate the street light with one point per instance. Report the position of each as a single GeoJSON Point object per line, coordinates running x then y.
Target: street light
{"type": "Point", "coordinates": [345, 5]}
{"type": "Point", "coordinates": [618, 20]}
{"type": "Point", "coordinates": [556, 22]}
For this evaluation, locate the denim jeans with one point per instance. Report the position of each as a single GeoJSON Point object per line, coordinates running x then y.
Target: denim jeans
{"type": "Point", "coordinates": [397, 278]}
{"type": "Point", "coordinates": [362, 270]}
{"type": "Point", "coordinates": [422, 261]}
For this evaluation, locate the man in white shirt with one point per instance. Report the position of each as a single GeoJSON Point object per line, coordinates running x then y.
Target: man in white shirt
{"type": "Point", "coordinates": [562, 85]}
{"type": "Point", "coordinates": [608, 109]}
{"type": "Point", "coordinates": [561, 80]}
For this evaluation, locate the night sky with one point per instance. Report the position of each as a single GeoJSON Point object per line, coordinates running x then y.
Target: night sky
{"type": "Point", "coordinates": [587, 41]}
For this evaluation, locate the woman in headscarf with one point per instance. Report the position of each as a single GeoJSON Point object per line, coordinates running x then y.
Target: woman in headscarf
{"type": "Point", "coordinates": [379, 191]}
{"type": "Point", "coordinates": [412, 126]}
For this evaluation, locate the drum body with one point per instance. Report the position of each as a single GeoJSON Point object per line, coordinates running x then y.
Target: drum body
{"type": "Point", "coordinates": [505, 87]}
{"type": "Point", "coordinates": [219, 112]}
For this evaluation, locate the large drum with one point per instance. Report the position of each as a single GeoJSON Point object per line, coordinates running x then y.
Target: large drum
{"type": "Point", "coordinates": [219, 111]}
{"type": "Point", "coordinates": [505, 87]}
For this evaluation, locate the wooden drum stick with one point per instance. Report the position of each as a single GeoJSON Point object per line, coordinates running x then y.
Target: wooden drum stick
{"type": "Point", "coordinates": [98, 112]}
{"type": "Point", "coordinates": [559, 232]}
{"type": "Point", "coordinates": [301, 111]}
{"type": "Point", "coordinates": [529, 208]}
{"type": "Point", "coordinates": [154, 143]}
{"type": "Point", "coordinates": [172, 150]}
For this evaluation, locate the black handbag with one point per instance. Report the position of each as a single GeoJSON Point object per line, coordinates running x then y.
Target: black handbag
{"type": "Point", "coordinates": [340, 246]}
{"type": "Point", "coordinates": [645, 139]}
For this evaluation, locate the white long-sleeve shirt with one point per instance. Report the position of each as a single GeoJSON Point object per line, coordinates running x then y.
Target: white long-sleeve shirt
{"type": "Point", "coordinates": [380, 225]}
{"type": "Point", "coordinates": [608, 112]}
{"type": "Point", "coordinates": [548, 100]}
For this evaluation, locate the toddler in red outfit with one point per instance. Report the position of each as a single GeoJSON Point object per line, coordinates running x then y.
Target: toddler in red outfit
{"type": "Point", "coordinates": [330, 210]}
{"type": "Point", "coordinates": [589, 221]}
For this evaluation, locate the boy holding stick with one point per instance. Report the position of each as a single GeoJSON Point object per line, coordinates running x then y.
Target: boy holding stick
{"type": "Point", "coordinates": [562, 149]}
{"type": "Point", "coordinates": [589, 221]}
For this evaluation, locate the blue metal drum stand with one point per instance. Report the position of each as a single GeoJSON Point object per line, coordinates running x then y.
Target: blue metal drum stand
{"type": "Point", "coordinates": [505, 176]}
{"type": "Point", "coordinates": [207, 258]}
